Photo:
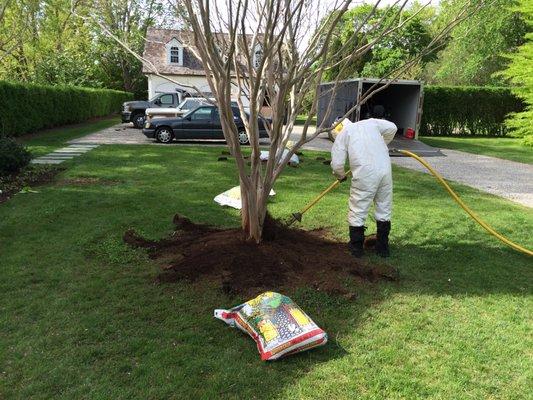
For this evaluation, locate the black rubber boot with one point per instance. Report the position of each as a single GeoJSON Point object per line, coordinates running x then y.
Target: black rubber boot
{"type": "Point", "coordinates": [357, 238]}
{"type": "Point", "coordinates": [382, 243]}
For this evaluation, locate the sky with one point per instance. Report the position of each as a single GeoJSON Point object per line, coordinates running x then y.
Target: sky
{"type": "Point", "coordinates": [327, 5]}
{"type": "Point", "coordinates": [322, 8]}
{"type": "Point", "coordinates": [384, 2]}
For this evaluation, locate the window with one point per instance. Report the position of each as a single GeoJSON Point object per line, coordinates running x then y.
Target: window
{"type": "Point", "coordinates": [216, 115]}
{"type": "Point", "coordinates": [174, 52]}
{"type": "Point", "coordinates": [191, 104]}
{"type": "Point", "coordinates": [237, 114]}
{"type": "Point", "coordinates": [166, 100]}
{"type": "Point", "coordinates": [201, 114]}
{"type": "Point", "coordinates": [258, 56]}
{"type": "Point", "coordinates": [175, 55]}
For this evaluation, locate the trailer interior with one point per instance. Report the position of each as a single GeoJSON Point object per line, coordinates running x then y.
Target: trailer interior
{"type": "Point", "coordinates": [401, 103]}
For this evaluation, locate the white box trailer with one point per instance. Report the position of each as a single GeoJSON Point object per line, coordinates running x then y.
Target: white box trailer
{"type": "Point", "coordinates": [402, 101]}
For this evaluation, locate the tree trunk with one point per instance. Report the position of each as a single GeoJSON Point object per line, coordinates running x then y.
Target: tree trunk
{"type": "Point", "coordinates": [253, 213]}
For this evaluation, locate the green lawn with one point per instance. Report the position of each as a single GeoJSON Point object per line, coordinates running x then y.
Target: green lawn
{"type": "Point", "coordinates": [44, 142]}
{"type": "Point", "coordinates": [300, 120]}
{"type": "Point", "coordinates": [506, 148]}
{"type": "Point", "coordinates": [81, 318]}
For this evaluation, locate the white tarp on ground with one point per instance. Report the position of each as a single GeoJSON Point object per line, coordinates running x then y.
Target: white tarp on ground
{"type": "Point", "coordinates": [232, 197]}
{"type": "Point", "coordinates": [294, 158]}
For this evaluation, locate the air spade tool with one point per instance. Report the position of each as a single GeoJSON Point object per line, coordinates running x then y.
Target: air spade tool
{"type": "Point", "coordinates": [297, 216]}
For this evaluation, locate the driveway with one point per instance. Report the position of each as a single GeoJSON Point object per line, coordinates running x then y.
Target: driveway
{"type": "Point", "coordinates": [117, 134]}
{"type": "Point", "coordinates": [126, 134]}
{"type": "Point", "coordinates": [509, 179]}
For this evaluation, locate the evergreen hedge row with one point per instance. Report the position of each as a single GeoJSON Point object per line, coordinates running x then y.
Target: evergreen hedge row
{"type": "Point", "coordinates": [27, 108]}
{"type": "Point", "coordinates": [465, 110]}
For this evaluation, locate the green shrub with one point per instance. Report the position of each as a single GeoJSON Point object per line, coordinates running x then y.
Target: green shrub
{"type": "Point", "coordinates": [13, 156]}
{"type": "Point", "coordinates": [520, 74]}
{"type": "Point", "coordinates": [465, 110]}
{"type": "Point", "coordinates": [27, 108]}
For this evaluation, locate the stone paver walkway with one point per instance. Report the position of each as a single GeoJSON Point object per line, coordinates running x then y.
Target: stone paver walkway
{"type": "Point", "coordinates": [66, 153]}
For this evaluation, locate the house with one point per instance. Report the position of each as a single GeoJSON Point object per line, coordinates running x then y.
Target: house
{"type": "Point", "coordinates": [169, 52]}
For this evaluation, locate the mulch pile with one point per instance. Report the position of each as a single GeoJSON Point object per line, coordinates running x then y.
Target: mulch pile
{"type": "Point", "coordinates": [287, 258]}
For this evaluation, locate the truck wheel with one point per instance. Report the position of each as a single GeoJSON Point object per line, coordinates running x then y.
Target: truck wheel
{"type": "Point", "coordinates": [243, 138]}
{"type": "Point", "coordinates": [138, 120]}
{"type": "Point", "coordinates": [164, 135]}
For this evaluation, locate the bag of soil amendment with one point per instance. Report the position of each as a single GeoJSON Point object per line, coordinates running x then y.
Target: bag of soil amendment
{"type": "Point", "coordinates": [276, 323]}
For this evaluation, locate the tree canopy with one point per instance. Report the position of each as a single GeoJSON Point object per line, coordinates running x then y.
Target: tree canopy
{"type": "Point", "coordinates": [476, 47]}
{"type": "Point", "coordinates": [50, 41]}
{"type": "Point", "coordinates": [390, 52]}
{"type": "Point", "coordinates": [472, 54]}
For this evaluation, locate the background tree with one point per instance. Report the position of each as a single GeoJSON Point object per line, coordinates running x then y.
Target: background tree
{"type": "Point", "coordinates": [393, 50]}
{"type": "Point", "coordinates": [45, 41]}
{"type": "Point", "coordinates": [129, 21]}
{"type": "Point", "coordinates": [475, 49]}
{"type": "Point", "coordinates": [7, 38]}
{"type": "Point", "coordinates": [520, 73]}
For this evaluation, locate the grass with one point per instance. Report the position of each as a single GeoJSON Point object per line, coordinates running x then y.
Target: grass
{"type": "Point", "coordinates": [301, 119]}
{"type": "Point", "coordinates": [506, 148]}
{"type": "Point", "coordinates": [81, 318]}
{"type": "Point", "coordinates": [44, 142]}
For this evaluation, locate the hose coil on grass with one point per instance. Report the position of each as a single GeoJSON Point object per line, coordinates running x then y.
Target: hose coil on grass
{"type": "Point", "coordinates": [461, 203]}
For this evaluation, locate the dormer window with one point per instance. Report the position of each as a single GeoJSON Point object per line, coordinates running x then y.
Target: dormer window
{"type": "Point", "coordinates": [258, 56]}
{"type": "Point", "coordinates": [174, 52]}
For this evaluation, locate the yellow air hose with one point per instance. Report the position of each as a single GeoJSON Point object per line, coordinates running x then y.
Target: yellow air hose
{"type": "Point", "coordinates": [454, 195]}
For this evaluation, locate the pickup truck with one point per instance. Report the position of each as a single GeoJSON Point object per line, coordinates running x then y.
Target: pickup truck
{"type": "Point", "coordinates": [134, 111]}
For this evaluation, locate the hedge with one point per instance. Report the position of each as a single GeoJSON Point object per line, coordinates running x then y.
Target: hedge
{"type": "Point", "coordinates": [27, 108]}
{"type": "Point", "coordinates": [465, 110]}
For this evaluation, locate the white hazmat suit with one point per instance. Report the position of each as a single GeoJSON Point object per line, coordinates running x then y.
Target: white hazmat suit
{"type": "Point", "coordinates": [365, 145]}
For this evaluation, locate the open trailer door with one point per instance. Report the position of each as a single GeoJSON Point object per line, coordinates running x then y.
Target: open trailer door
{"type": "Point", "coordinates": [403, 102]}
{"type": "Point", "coordinates": [401, 99]}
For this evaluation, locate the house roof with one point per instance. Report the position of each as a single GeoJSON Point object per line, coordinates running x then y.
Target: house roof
{"type": "Point", "coordinates": [155, 51]}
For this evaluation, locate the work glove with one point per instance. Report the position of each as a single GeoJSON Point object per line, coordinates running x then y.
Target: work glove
{"type": "Point", "coordinates": [340, 177]}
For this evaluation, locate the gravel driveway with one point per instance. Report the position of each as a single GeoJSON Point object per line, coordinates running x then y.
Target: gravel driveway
{"type": "Point", "coordinates": [508, 179]}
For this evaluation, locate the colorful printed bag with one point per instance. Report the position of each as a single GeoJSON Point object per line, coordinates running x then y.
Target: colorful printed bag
{"type": "Point", "coordinates": [276, 323]}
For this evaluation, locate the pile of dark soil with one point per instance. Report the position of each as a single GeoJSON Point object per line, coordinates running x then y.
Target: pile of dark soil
{"type": "Point", "coordinates": [31, 176]}
{"type": "Point", "coordinates": [287, 258]}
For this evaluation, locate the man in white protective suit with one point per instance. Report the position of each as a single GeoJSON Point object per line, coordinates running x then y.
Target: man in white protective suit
{"type": "Point", "coordinates": [365, 145]}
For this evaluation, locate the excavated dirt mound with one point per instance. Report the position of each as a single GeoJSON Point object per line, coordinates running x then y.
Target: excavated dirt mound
{"type": "Point", "coordinates": [288, 258]}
